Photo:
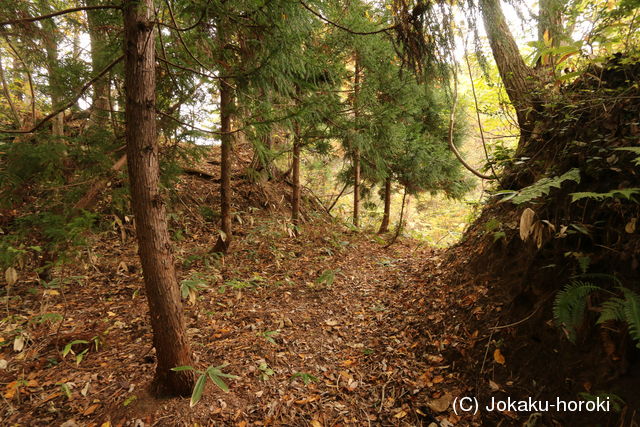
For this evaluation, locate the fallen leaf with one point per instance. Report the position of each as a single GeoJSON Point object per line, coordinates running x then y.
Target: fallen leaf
{"type": "Point", "coordinates": [91, 409]}
{"type": "Point", "coordinates": [11, 276]}
{"type": "Point", "coordinates": [629, 228]}
{"type": "Point", "coordinates": [51, 397]}
{"type": "Point", "coordinates": [400, 414]}
{"type": "Point", "coordinates": [18, 343]}
{"type": "Point", "coordinates": [85, 389]}
{"type": "Point", "coordinates": [498, 357]}
{"type": "Point", "coordinates": [441, 404]}
{"type": "Point", "coordinates": [11, 390]}
{"type": "Point", "coordinates": [306, 400]}
{"type": "Point", "coordinates": [526, 222]}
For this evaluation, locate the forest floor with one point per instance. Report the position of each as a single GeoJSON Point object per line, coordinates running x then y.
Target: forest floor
{"type": "Point", "coordinates": [360, 338]}
{"type": "Point", "coordinates": [330, 328]}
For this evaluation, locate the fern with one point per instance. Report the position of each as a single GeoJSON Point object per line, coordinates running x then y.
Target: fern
{"type": "Point", "coordinates": [612, 310]}
{"type": "Point", "coordinates": [543, 186]}
{"type": "Point", "coordinates": [632, 314]}
{"type": "Point", "coordinates": [635, 150]}
{"type": "Point", "coordinates": [623, 193]}
{"type": "Point", "coordinates": [569, 306]}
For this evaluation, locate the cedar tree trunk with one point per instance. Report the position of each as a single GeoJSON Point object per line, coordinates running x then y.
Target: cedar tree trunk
{"type": "Point", "coordinates": [50, 41]}
{"type": "Point", "coordinates": [226, 140]}
{"type": "Point", "coordinates": [384, 226]}
{"type": "Point", "coordinates": [154, 245]}
{"type": "Point", "coordinates": [518, 78]}
{"type": "Point", "coordinates": [356, 153]}
{"type": "Point", "coordinates": [98, 36]}
{"type": "Point", "coordinates": [295, 191]}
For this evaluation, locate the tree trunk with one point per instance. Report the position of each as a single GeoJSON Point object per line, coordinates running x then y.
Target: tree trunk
{"type": "Point", "coordinates": [22, 74]}
{"type": "Point", "coordinates": [401, 220]}
{"type": "Point", "coordinates": [7, 95]}
{"type": "Point", "coordinates": [226, 139]}
{"type": "Point", "coordinates": [163, 294]}
{"type": "Point", "coordinates": [97, 36]}
{"type": "Point", "coordinates": [518, 78]}
{"type": "Point", "coordinates": [295, 191]}
{"type": "Point", "coordinates": [384, 226]}
{"type": "Point", "coordinates": [356, 151]}
{"type": "Point", "coordinates": [50, 41]}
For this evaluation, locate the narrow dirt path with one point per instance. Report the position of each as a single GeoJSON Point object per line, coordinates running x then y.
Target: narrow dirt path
{"type": "Point", "coordinates": [329, 329]}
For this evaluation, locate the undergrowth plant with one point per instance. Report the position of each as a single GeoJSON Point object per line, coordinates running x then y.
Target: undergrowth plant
{"type": "Point", "coordinates": [571, 303]}
{"type": "Point", "coordinates": [212, 372]}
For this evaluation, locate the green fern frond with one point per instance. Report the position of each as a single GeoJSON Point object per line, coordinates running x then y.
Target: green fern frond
{"type": "Point", "coordinates": [635, 150]}
{"type": "Point", "coordinates": [570, 304]}
{"type": "Point", "coordinates": [623, 193]}
{"type": "Point", "coordinates": [543, 186]}
{"type": "Point", "coordinates": [612, 309]}
{"type": "Point", "coordinates": [632, 314]}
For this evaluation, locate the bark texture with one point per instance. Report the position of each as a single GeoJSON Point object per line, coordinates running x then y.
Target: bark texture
{"type": "Point", "coordinates": [295, 191]}
{"type": "Point", "coordinates": [226, 141]}
{"type": "Point", "coordinates": [50, 40]}
{"type": "Point", "coordinates": [384, 225]}
{"type": "Point", "coordinates": [98, 38]}
{"type": "Point", "coordinates": [356, 152]}
{"type": "Point", "coordinates": [163, 295]}
{"type": "Point", "coordinates": [7, 96]}
{"type": "Point", "coordinates": [518, 78]}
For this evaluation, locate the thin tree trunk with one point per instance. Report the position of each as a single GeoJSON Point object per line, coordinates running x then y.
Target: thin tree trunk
{"type": "Point", "coordinates": [226, 109]}
{"type": "Point", "coordinates": [97, 36]}
{"type": "Point", "coordinates": [7, 95]}
{"type": "Point", "coordinates": [18, 78]}
{"type": "Point", "coordinates": [356, 188]}
{"type": "Point", "coordinates": [163, 295]}
{"type": "Point", "coordinates": [20, 70]}
{"type": "Point", "coordinates": [356, 152]}
{"type": "Point", "coordinates": [50, 42]}
{"type": "Point", "coordinates": [518, 78]}
{"type": "Point", "coordinates": [384, 226]}
{"type": "Point", "coordinates": [295, 191]}
{"type": "Point", "coordinates": [401, 221]}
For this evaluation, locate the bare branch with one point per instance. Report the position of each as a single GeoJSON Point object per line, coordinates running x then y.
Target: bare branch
{"type": "Point", "coordinates": [452, 118]}
{"type": "Point", "coordinates": [190, 27]}
{"type": "Point", "coordinates": [348, 30]}
{"type": "Point", "coordinates": [58, 13]}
